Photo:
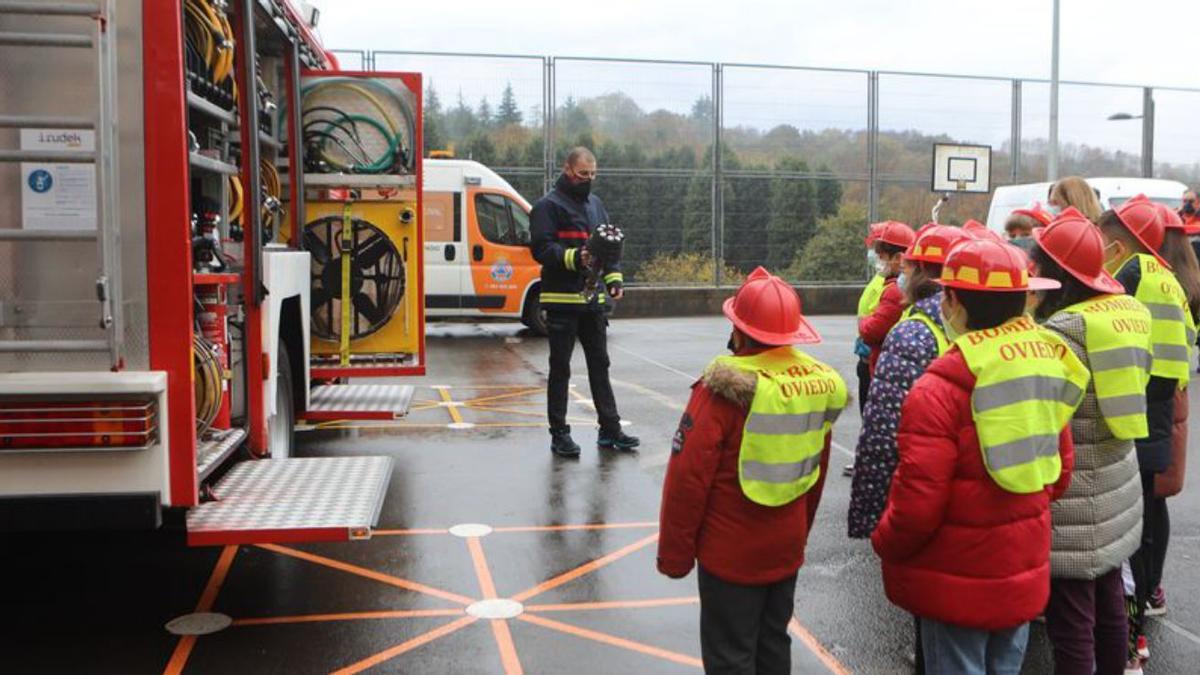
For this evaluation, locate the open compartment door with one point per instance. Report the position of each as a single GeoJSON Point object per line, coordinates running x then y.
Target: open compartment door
{"type": "Point", "coordinates": [293, 500]}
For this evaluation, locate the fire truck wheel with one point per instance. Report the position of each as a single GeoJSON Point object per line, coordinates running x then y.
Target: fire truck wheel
{"type": "Point", "coordinates": [282, 428]}
{"type": "Point", "coordinates": [535, 317]}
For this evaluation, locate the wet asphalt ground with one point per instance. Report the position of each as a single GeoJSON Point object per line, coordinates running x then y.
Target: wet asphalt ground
{"type": "Point", "coordinates": [572, 541]}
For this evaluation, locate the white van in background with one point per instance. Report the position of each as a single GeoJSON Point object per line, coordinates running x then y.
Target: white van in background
{"type": "Point", "coordinates": [477, 257]}
{"type": "Point", "coordinates": [1112, 192]}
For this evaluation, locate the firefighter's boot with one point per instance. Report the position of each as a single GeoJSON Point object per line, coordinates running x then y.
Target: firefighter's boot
{"type": "Point", "coordinates": [618, 440]}
{"type": "Point", "coordinates": [562, 445]}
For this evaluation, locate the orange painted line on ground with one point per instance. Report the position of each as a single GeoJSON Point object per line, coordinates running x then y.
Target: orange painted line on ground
{"type": "Point", "coordinates": [504, 641]}
{"type": "Point", "coordinates": [501, 397]}
{"type": "Point", "coordinates": [587, 526]}
{"type": "Point", "coordinates": [388, 654]}
{"type": "Point", "coordinates": [817, 648]}
{"type": "Point", "coordinates": [508, 411]}
{"type": "Point", "coordinates": [454, 413]}
{"type": "Point", "coordinates": [349, 616]}
{"type": "Point", "coordinates": [614, 604]}
{"type": "Point", "coordinates": [612, 640]}
{"type": "Point", "coordinates": [183, 649]}
{"type": "Point", "coordinates": [369, 574]}
{"type": "Point", "coordinates": [585, 568]}
{"type": "Point", "coordinates": [406, 533]}
{"type": "Point", "coordinates": [508, 649]}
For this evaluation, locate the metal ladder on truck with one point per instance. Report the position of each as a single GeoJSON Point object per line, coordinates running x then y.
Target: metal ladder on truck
{"type": "Point", "coordinates": [107, 233]}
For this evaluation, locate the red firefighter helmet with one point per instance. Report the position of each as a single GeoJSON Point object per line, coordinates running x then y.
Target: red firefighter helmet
{"type": "Point", "coordinates": [891, 232]}
{"type": "Point", "coordinates": [767, 309]}
{"type": "Point", "coordinates": [1170, 218]}
{"type": "Point", "coordinates": [934, 243]}
{"type": "Point", "coordinates": [1141, 217]}
{"type": "Point", "coordinates": [986, 265]}
{"type": "Point", "coordinates": [980, 231]}
{"type": "Point", "coordinates": [1037, 213]}
{"type": "Point", "coordinates": [872, 233]}
{"type": "Point", "coordinates": [1075, 244]}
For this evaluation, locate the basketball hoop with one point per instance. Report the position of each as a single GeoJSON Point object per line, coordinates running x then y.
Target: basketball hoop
{"type": "Point", "coordinates": [959, 169]}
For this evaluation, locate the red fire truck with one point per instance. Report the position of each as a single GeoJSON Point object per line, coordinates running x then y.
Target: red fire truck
{"type": "Point", "coordinates": [210, 233]}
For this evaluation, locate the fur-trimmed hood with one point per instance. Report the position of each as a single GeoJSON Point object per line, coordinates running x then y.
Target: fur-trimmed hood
{"type": "Point", "coordinates": [732, 384]}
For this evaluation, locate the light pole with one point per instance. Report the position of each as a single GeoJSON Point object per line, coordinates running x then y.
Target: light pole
{"type": "Point", "coordinates": [1147, 118]}
{"type": "Point", "coordinates": [1052, 159]}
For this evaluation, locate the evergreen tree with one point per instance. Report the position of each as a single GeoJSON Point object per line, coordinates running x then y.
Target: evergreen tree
{"type": "Point", "coordinates": [508, 113]}
{"type": "Point", "coordinates": [746, 222]}
{"type": "Point", "coordinates": [793, 216]}
{"type": "Point", "coordinates": [479, 147]}
{"type": "Point", "coordinates": [829, 194]}
{"type": "Point", "coordinates": [460, 122]}
{"type": "Point", "coordinates": [572, 119]}
{"type": "Point", "coordinates": [433, 121]}
{"type": "Point", "coordinates": [484, 114]}
{"type": "Point", "coordinates": [697, 215]}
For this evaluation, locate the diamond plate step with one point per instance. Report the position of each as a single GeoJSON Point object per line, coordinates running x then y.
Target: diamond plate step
{"type": "Point", "coordinates": [293, 500]}
{"type": "Point", "coordinates": [359, 402]}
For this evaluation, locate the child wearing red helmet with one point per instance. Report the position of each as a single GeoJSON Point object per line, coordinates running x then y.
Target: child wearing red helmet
{"type": "Point", "coordinates": [1098, 521]}
{"type": "Point", "coordinates": [984, 448]}
{"type": "Point", "coordinates": [1133, 235]}
{"type": "Point", "coordinates": [747, 469]}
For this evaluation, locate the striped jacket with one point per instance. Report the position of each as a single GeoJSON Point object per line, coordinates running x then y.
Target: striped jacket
{"type": "Point", "coordinates": [559, 226]}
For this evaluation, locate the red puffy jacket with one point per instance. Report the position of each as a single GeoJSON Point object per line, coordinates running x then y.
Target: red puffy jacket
{"type": "Point", "coordinates": [874, 327]}
{"type": "Point", "coordinates": [956, 547]}
{"type": "Point", "coordinates": [705, 516]}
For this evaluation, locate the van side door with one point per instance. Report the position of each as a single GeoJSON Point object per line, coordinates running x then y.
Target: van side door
{"type": "Point", "coordinates": [445, 253]}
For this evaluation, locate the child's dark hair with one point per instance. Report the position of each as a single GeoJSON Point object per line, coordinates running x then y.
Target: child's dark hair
{"type": "Point", "coordinates": [884, 248]}
{"type": "Point", "coordinates": [1073, 291]}
{"type": "Point", "coordinates": [924, 283]}
{"type": "Point", "coordinates": [988, 309]}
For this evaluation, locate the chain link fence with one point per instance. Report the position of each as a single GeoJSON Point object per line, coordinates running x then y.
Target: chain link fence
{"type": "Point", "coordinates": [713, 169]}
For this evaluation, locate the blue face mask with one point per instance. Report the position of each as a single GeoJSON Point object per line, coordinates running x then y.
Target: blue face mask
{"type": "Point", "coordinates": [902, 281]}
{"type": "Point", "coordinates": [1054, 209]}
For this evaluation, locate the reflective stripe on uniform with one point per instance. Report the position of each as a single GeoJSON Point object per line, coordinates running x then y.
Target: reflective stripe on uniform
{"type": "Point", "coordinates": [1022, 389]}
{"type": "Point", "coordinates": [567, 298]}
{"type": "Point", "coordinates": [1021, 451]}
{"type": "Point", "coordinates": [614, 276]}
{"type": "Point", "coordinates": [780, 473]}
{"type": "Point", "coordinates": [1120, 406]}
{"type": "Point", "coordinates": [569, 258]}
{"type": "Point", "coordinates": [1124, 357]}
{"type": "Point", "coordinates": [1164, 352]}
{"type": "Point", "coordinates": [787, 424]}
{"type": "Point", "coordinates": [1165, 312]}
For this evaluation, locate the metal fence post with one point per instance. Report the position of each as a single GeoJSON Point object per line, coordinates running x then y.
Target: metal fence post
{"type": "Point", "coordinates": [547, 123]}
{"type": "Point", "coordinates": [1015, 150]}
{"type": "Point", "coordinates": [717, 206]}
{"type": "Point", "coordinates": [873, 146]}
{"type": "Point", "coordinates": [1148, 132]}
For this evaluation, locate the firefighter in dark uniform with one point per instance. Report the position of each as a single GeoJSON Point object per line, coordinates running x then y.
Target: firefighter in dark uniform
{"type": "Point", "coordinates": [560, 225]}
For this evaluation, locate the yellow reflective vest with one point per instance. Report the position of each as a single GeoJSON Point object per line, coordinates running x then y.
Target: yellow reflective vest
{"type": "Point", "coordinates": [869, 300]}
{"type": "Point", "coordinates": [911, 313]}
{"type": "Point", "coordinates": [1028, 384]}
{"type": "Point", "coordinates": [1117, 330]}
{"type": "Point", "coordinates": [796, 401]}
{"type": "Point", "coordinates": [1172, 330]}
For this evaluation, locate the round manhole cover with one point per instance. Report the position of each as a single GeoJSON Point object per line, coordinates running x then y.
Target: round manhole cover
{"type": "Point", "coordinates": [470, 530]}
{"type": "Point", "coordinates": [497, 608]}
{"type": "Point", "coordinates": [200, 623]}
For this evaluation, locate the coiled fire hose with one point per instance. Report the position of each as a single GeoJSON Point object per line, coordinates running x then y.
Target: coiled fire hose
{"type": "Point", "coordinates": [209, 382]}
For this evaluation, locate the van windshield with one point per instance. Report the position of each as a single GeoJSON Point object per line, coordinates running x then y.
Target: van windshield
{"type": "Point", "coordinates": [1171, 202]}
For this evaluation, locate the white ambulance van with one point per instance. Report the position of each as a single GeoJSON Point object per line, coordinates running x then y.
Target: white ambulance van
{"type": "Point", "coordinates": [1112, 192]}
{"type": "Point", "coordinates": [477, 257]}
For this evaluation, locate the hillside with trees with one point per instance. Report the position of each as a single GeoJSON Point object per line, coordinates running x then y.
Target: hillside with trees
{"type": "Point", "coordinates": [794, 200]}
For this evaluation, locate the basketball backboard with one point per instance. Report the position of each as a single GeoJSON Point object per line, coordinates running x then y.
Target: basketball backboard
{"type": "Point", "coordinates": [961, 168]}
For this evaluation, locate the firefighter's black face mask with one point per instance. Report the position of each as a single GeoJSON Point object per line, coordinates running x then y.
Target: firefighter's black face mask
{"type": "Point", "coordinates": [577, 187]}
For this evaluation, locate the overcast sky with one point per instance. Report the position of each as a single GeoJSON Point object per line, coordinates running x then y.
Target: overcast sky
{"type": "Point", "coordinates": [1143, 42]}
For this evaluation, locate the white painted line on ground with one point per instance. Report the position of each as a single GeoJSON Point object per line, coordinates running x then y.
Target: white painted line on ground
{"type": "Point", "coordinates": [841, 448]}
{"type": "Point", "coordinates": [669, 369]}
{"type": "Point", "coordinates": [1195, 639]}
